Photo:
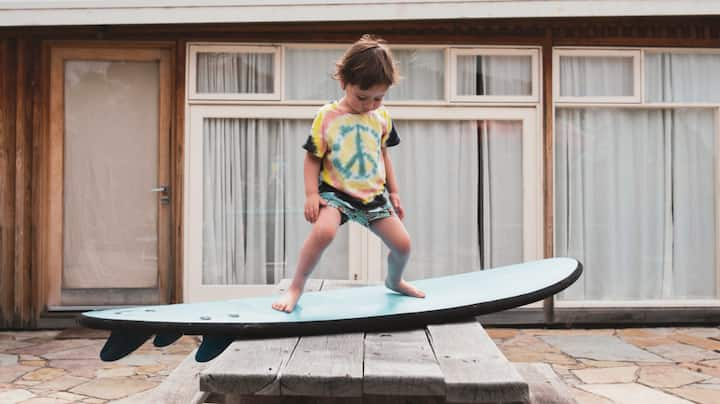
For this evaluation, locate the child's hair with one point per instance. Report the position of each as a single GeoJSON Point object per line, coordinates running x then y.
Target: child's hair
{"type": "Point", "coordinates": [368, 62]}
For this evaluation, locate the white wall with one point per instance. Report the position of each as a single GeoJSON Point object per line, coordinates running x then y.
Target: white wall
{"type": "Point", "coordinates": [92, 12]}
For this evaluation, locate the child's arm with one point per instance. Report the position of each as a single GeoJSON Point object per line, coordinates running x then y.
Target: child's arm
{"type": "Point", "coordinates": [311, 169]}
{"type": "Point", "coordinates": [391, 184]}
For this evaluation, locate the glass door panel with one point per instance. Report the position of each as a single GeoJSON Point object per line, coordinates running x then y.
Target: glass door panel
{"type": "Point", "coordinates": [252, 225]}
{"type": "Point", "coordinates": [467, 212]}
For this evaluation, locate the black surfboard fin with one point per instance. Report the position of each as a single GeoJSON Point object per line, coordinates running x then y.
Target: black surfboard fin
{"type": "Point", "coordinates": [122, 343]}
{"type": "Point", "coordinates": [166, 338]}
{"type": "Point", "coordinates": [212, 346]}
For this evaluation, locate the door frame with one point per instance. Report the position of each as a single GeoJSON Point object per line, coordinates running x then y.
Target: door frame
{"type": "Point", "coordinates": [364, 262]}
{"type": "Point", "coordinates": [58, 52]}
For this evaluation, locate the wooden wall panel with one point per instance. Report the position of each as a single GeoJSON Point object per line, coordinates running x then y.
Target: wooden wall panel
{"type": "Point", "coordinates": [7, 183]}
{"type": "Point", "coordinates": [177, 165]}
{"type": "Point", "coordinates": [23, 186]}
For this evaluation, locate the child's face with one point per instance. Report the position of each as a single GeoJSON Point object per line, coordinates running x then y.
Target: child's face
{"type": "Point", "coordinates": [363, 101]}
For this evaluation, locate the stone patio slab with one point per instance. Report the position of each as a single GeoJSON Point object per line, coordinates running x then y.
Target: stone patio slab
{"type": "Point", "coordinates": [699, 394]}
{"type": "Point", "coordinates": [61, 383]}
{"type": "Point", "coordinates": [14, 396]}
{"type": "Point", "coordinates": [601, 348]}
{"type": "Point", "coordinates": [669, 376]}
{"type": "Point", "coordinates": [90, 351]}
{"type": "Point", "coordinates": [8, 360]}
{"type": "Point", "coordinates": [10, 373]}
{"type": "Point", "coordinates": [112, 388]}
{"type": "Point", "coordinates": [625, 374]}
{"type": "Point", "coordinates": [683, 353]}
{"type": "Point", "coordinates": [632, 393]}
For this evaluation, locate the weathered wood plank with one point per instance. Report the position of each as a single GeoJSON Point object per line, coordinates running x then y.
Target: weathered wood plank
{"type": "Point", "coordinates": [325, 366]}
{"type": "Point", "coordinates": [180, 387]}
{"type": "Point", "coordinates": [401, 364]}
{"type": "Point", "coordinates": [23, 185]}
{"type": "Point", "coordinates": [474, 368]}
{"type": "Point", "coordinates": [8, 69]}
{"type": "Point", "coordinates": [248, 367]}
{"type": "Point", "coordinates": [545, 386]}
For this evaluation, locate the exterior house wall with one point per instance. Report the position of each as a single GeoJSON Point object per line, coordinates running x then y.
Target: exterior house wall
{"type": "Point", "coordinates": [24, 87]}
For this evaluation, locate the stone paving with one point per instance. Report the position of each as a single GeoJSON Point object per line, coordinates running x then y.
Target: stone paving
{"type": "Point", "coordinates": [638, 365]}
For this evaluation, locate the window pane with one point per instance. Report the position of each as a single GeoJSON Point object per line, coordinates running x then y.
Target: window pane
{"type": "Point", "coordinates": [423, 75]}
{"type": "Point", "coordinates": [682, 77]}
{"type": "Point", "coordinates": [110, 165]}
{"type": "Point", "coordinates": [253, 199]}
{"type": "Point", "coordinates": [596, 76]}
{"type": "Point", "coordinates": [494, 75]}
{"type": "Point", "coordinates": [235, 73]}
{"type": "Point", "coordinates": [634, 202]}
{"type": "Point", "coordinates": [308, 74]}
{"type": "Point", "coordinates": [466, 212]}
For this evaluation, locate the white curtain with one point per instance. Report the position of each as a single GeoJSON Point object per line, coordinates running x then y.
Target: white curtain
{"type": "Point", "coordinates": [635, 188]}
{"type": "Point", "coordinates": [110, 163]}
{"type": "Point", "coordinates": [596, 76]}
{"type": "Point", "coordinates": [309, 74]}
{"type": "Point", "coordinates": [634, 199]}
{"type": "Point", "coordinates": [422, 74]}
{"type": "Point", "coordinates": [253, 196]}
{"type": "Point", "coordinates": [682, 77]}
{"type": "Point", "coordinates": [461, 181]}
{"type": "Point", "coordinates": [235, 72]}
{"type": "Point", "coordinates": [494, 75]}
{"type": "Point", "coordinates": [461, 187]}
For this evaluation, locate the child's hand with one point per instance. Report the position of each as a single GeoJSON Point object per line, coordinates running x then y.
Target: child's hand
{"type": "Point", "coordinates": [313, 203]}
{"type": "Point", "coordinates": [395, 202]}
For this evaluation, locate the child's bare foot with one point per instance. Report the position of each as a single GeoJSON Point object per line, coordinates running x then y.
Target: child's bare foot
{"type": "Point", "coordinates": [288, 301]}
{"type": "Point", "coordinates": [405, 288]}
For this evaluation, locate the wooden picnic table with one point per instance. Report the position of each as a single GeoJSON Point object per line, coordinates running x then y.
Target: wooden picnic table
{"type": "Point", "coordinates": [444, 363]}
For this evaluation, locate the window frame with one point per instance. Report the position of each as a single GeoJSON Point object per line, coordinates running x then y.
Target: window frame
{"type": "Point", "coordinates": [365, 262]}
{"type": "Point", "coordinates": [638, 74]}
{"type": "Point", "coordinates": [641, 103]}
{"type": "Point", "coordinates": [480, 51]}
{"type": "Point", "coordinates": [195, 48]}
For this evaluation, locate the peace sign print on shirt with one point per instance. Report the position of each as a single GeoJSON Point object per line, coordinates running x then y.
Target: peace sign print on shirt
{"type": "Point", "coordinates": [356, 151]}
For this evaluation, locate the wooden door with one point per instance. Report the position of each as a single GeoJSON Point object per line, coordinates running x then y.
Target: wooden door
{"type": "Point", "coordinates": [108, 176]}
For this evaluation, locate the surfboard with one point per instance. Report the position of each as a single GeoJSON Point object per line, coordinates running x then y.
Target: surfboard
{"type": "Point", "coordinates": [368, 308]}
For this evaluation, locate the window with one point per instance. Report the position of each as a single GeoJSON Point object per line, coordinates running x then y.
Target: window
{"type": "Point", "coordinates": [494, 75]}
{"type": "Point", "coordinates": [611, 76]}
{"type": "Point", "coordinates": [635, 185]}
{"type": "Point", "coordinates": [682, 76]}
{"type": "Point", "coordinates": [244, 210]}
{"type": "Point", "coordinates": [234, 72]}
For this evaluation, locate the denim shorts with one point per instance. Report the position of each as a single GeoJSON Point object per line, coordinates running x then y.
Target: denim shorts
{"type": "Point", "coordinates": [350, 212]}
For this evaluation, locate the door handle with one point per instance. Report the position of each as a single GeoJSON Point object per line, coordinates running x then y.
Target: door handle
{"type": "Point", "coordinates": [165, 190]}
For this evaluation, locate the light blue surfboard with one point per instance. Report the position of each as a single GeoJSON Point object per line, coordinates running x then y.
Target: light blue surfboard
{"type": "Point", "coordinates": [369, 308]}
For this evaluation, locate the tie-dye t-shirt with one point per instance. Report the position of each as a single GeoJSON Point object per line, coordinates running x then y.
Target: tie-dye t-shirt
{"type": "Point", "coordinates": [350, 146]}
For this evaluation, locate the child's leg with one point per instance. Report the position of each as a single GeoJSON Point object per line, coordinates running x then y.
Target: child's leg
{"type": "Point", "coordinates": [322, 233]}
{"type": "Point", "coordinates": [393, 234]}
